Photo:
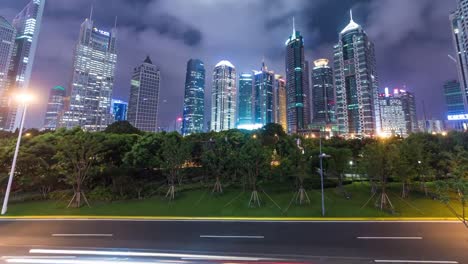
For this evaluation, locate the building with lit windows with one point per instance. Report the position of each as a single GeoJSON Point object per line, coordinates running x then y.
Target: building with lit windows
{"type": "Point", "coordinates": [223, 97]}
{"type": "Point", "coordinates": [455, 106]}
{"type": "Point", "coordinates": [144, 97]}
{"type": "Point", "coordinates": [54, 108]}
{"type": "Point", "coordinates": [323, 93]}
{"type": "Point", "coordinates": [280, 105]}
{"type": "Point", "coordinates": [27, 25]}
{"type": "Point", "coordinates": [194, 98]}
{"type": "Point", "coordinates": [7, 43]}
{"type": "Point", "coordinates": [119, 110]}
{"type": "Point", "coordinates": [408, 102]}
{"type": "Point", "coordinates": [93, 77]}
{"type": "Point", "coordinates": [392, 115]}
{"type": "Point", "coordinates": [297, 84]}
{"type": "Point", "coordinates": [356, 83]}
{"type": "Point", "coordinates": [244, 112]}
{"type": "Point", "coordinates": [459, 23]}
{"type": "Point", "coordinates": [263, 99]}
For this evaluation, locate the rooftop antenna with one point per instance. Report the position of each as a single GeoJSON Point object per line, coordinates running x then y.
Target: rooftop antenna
{"type": "Point", "coordinates": [115, 23]}
{"type": "Point", "coordinates": [351, 14]}
{"type": "Point", "coordinates": [91, 13]}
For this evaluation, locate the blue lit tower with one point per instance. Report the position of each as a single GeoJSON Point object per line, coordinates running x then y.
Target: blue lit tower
{"type": "Point", "coordinates": [27, 24]}
{"type": "Point", "coordinates": [356, 83]}
{"type": "Point", "coordinates": [323, 93]}
{"type": "Point", "coordinates": [244, 113]}
{"type": "Point", "coordinates": [194, 99]}
{"type": "Point", "coordinates": [94, 64]}
{"type": "Point", "coordinates": [54, 107]}
{"type": "Point", "coordinates": [119, 110]}
{"type": "Point", "coordinates": [297, 84]}
{"type": "Point", "coordinates": [263, 97]}
{"type": "Point", "coordinates": [459, 23]}
{"type": "Point", "coordinates": [7, 42]}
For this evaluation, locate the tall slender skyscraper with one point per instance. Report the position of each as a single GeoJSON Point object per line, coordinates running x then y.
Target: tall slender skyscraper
{"type": "Point", "coordinates": [323, 93]}
{"type": "Point", "coordinates": [27, 24]}
{"type": "Point", "coordinates": [194, 99]}
{"type": "Point", "coordinates": [244, 113]}
{"type": "Point", "coordinates": [356, 83]}
{"type": "Point", "coordinates": [92, 83]}
{"type": "Point", "coordinates": [453, 98]}
{"type": "Point", "coordinates": [54, 107]}
{"type": "Point", "coordinates": [408, 102]}
{"type": "Point", "coordinates": [459, 23]}
{"type": "Point", "coordinates": [297, 85]}
{"type": "Point", "coordinates": [7, 42]}
{"type": "Point", "coordinates": [224, 97]}
{"type": "Point", "coordinates": [280, 102]}
{"type": "Point", "coordinates": [144, 97]}
{"type": "Point", "coordinates": [263, 101]}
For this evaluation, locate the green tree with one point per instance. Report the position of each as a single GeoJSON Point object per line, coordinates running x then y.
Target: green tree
{"type": "Point", "coordinates": [77, 153]}
{"type": "Point", "coordinates": [215, 157]}
{"type": "Point", "coordinates": [337, 165]}
{"type": "Point", "coordinates": [122, 127]}
{"type": "Point", "coordinates": [174, 154]}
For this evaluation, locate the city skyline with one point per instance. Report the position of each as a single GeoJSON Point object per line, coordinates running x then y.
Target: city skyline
{"type": "Point", "coordinates": [317, 45]}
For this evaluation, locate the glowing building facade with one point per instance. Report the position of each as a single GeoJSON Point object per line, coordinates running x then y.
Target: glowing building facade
{"type": "Point", "coordinates": [223, 97]}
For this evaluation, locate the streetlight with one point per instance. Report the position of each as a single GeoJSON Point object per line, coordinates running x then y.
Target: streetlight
{"type": "Point", "coordinates": [23, 99]}
{"type": "Point", "coordinates": [322, 156]}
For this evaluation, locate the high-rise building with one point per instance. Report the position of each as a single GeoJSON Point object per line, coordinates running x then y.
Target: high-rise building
{"type": "Point", "coordinates": [392, 115]}
{"type": "Point", "coordinates": [408, 101]}
{"type": "Point", "coordinates": [297, 85]}
{"type": "Point", "coordinates": [244, 112]}
{"type": "Point", "coordinates": [263, 101]}
{"type": "Point", "coordinates": [280, 102]}
{"type": "Point", "coordinates": [7, 42]}
{"type": "Point", "coordinates": [27, 24]}
{"type": "Point", "coordinates": [323, 93]}
{"type": "Point", "coordinates": [224, 97]}
{"type": "Point", "coordinates": [459, 23]}
{"type": "Point", "coordinates": [144, 97]}
{"type": "Point", "coordinates": [453, 98]}
{"type": "Point", "coordinates": [92, 83]}
{"type": "Point", "coordinates": [54, 107]}
{"type": "Point", "coordinates": [356, 83]}
{"type": "Point", "coordinates": [194, 99]}
{"type": "Point", "coordinates": [119, 110]}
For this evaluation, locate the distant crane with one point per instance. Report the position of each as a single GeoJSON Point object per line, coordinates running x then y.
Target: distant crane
{"type": "Point", "coordinates": [452, 58]}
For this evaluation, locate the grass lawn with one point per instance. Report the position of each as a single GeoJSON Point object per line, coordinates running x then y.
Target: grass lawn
{"type": "Point", "coordinates": [234, 203]}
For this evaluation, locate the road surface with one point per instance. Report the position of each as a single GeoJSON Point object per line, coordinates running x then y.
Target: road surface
{"type": "Point", "coordinates": [98, 241]}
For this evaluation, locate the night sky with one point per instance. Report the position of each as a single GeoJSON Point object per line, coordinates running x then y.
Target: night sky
{"type": "Point", "coordinates": [412, 40]}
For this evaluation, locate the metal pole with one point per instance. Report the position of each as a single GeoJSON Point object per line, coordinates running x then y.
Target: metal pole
{"type": "Point", "coordinates": [13, 165]}
{"type": "Point", "coordinates": [321, 174]}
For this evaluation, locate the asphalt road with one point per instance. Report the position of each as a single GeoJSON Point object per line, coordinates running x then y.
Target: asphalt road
{"type": "Point", "coordinates": [98, 241]}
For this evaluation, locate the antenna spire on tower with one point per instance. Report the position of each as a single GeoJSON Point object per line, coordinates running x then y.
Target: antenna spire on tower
{"type": "Point", "coordinates": [351, 14]}
{"type": "Point", "coordinates": [91, 12]}
{"type": "Point", "coordinates": [115, 23]}
{"type": "Point", "coordinates": [294, 27]}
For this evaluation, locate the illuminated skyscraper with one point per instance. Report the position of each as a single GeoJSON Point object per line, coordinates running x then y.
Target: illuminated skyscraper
{"type": "Point", "coordinates": [194, 99]}
{"type": "Point", "coordinates": [119, 110]}
{"type": "Point", "coordinates": [27, 24]}
{"type": "Point", "coordinates": [459, 23]}
{"type": "Point", "coordinates": [7, 42]}
{"type": "Point", "coordinates": [54, 107]}
{"type": "Point", "coordinates": [92, 83]}
{"type": "Point", "coordinates": [297, 84]}
{"type": "Point", "coordinates": [224, 97]}
{"type": "Point", "coordinates": [408, 101]}
{"type": "Point", "coordinates": [356, 83]}
{"type": "Point", "coordinates": [244, 113]}
{"type": "Point", "coordinates": [144, 97]}
{"type": "Point", "coordinates": [263, 101]}
{"type": "Point", "coordinates": [280, 106]}
{"type": "Point", "coordinates": [323, 93]}
{"type": "Point", "coordinates": [392, 114]}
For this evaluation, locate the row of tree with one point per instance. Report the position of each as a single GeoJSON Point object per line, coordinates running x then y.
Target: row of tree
{"type": "Point", "coordinates": [124, 163]}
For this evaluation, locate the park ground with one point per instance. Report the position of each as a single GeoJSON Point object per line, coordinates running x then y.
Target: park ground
{"type": "Point", "coordinates": [276, 202]}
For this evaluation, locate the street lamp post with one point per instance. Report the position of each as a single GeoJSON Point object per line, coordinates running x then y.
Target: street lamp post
{"type": "Point", "coordinates": [23, 99]}
{"type": "Point", "coordinates": [321, 156]}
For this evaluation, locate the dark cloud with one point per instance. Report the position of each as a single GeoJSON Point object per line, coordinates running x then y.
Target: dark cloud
{"type": "Point", "coordinates": [412, 39]}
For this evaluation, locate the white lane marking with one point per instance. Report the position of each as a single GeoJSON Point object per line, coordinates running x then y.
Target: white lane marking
{"type": "Point", "coordinates": [215, 236]}
{"type": "Point", "coordinates": [139, 254]}
{"type": "Point", "coordinates": [78, 261]}
{"type": "Point", "coordinates": [82, 235]}
{"type": "Point", "coordinates": [396, 238]}
{"type": "Point", "coordinates": [416, 261]}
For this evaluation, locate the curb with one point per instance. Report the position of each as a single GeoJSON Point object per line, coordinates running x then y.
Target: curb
{"type": "Point", "coordinates": [260, 219]}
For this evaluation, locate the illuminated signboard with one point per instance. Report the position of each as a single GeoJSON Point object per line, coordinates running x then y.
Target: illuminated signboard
{"type": "Point", "coordinates": [458, 117]}
{"type": "Point", "coordinates": [102, 32]}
